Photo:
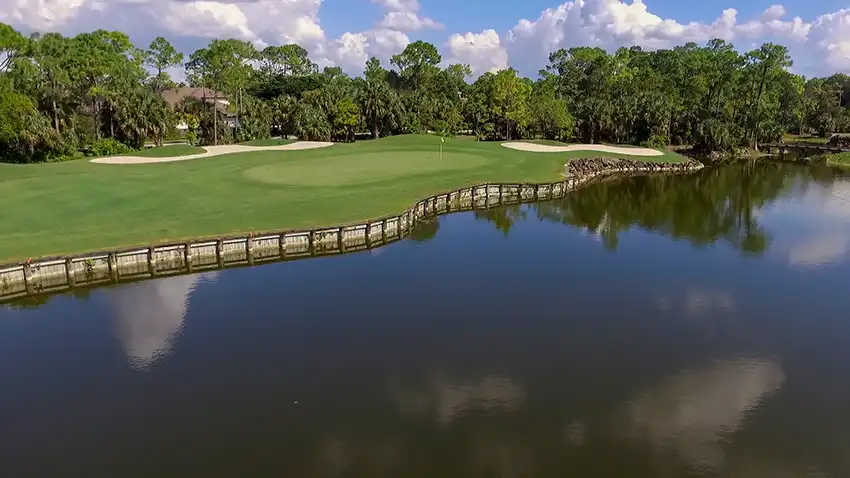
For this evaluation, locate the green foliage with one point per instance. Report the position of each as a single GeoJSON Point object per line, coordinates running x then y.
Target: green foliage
{"type": "Point", "coordinates": [840, 159]}
{"type": "Point", "coordinates": [12, 45]}
{"type": "Point", "coordinates": [656, 142]}
{"type": "Point", "coordinates": [141, 115]}
{"type": "Point", "coordinates": [311, 123]}
{"type": "Point", "coordinates": [211, 127]}
{"type": "Point", "coordinates": [25, 134]}
{"type": "Point", "coordinates": [99, 85]}
{"type": "Point", "coordinates": [160, 56]}
{"type": "Point", "coordinates": [288, 59]}
{"type": "Point", "coordinates": [108, 147]}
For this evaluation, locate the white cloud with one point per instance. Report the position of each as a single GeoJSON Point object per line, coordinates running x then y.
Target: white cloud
{"type": "Point", "coordinates": [819, 45]}
{"type": "Point", "coordinates": [830, 35]}
{"type": "Point", "coordinates": [351, 50]}
{"type": "Point", "coordinates": [612, 23]}
{"type": "Point", "coordinates": [481, 51]}
{"type": "Point", "coordinates": [208, 19]}
{"type": "Point", "coordinates": [399, 5]}
{"type": "Point", "coordinates": [408, 22]}
{"type": "Point", "coordinates": [40, 14]}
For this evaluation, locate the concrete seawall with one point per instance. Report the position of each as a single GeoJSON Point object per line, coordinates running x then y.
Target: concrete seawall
{"type": "Point", "coordinates": [58, 274]}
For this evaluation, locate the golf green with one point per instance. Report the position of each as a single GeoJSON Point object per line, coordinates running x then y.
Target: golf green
{"type": "Point", "coordinates": [362, 168]}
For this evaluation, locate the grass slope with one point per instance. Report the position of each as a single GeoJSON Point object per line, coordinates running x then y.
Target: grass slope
{"type": "Point", "coordinates": [267, 142]}
{"type": "Point", "coordinates": [797, 139]}
{"type": "Point", "coordinates": [840, 159]}
{"type": "Point", "coordinates": [167, 151]}
{"type": "Point", "coordinates": [77, 206]}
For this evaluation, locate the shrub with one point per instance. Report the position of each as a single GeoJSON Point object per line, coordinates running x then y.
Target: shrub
{"type": "Point", "coordinates": [656, 141]}
{"type": "Point", "coordinates": [108, 147]}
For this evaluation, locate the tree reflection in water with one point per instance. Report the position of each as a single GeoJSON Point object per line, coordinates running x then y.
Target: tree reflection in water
{"type": "Point", "coordinates": [714, 204]}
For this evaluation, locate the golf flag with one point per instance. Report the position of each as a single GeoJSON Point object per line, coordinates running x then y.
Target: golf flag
{"type": "Point", "coordinates": [442, 140]}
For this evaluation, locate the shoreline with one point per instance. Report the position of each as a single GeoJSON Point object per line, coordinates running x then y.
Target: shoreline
{"type": "Point", "coordinates": [54, 274]}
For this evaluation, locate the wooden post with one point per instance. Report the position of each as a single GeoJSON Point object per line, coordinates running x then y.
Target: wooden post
{"type": "Point", "coordinates": [282, 246]}
{"type": "Point", "coordinates": [368, 235]}
{"type": "Point", "coordinates": [312, 243]}
{"type": "Point", "coordinates": [384, 231]}
{"type": "Point", "coordinates": [113, 268]}
{"type": "Point", "coordinates": [249, 250]}
{"type": "Point", "coordinates": [28, 280]}
{"type": "Point", "coordinates": [536, 192]}
{"type": "Point", "coordinates": [486, 196]}
{"type": "Point", "coordinates": [69, 272]}
{"type": "Point", "coordinates": [340, 242]}
{"type": "Point", "coordinates": [187, 257]}
{"type": "Point", "coordinates": [219, 253]}
{"type": "Point", "coordinates": [151, 262]}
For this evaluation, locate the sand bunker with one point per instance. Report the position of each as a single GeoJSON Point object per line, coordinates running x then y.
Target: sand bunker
{"type": "Point", "coordinates": [212, 151]}
{"type": "Point", "coordinates": [544, 148]}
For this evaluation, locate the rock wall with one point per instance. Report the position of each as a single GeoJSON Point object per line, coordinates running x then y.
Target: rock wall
{"type": "Point", "coordinates": [587, 168]}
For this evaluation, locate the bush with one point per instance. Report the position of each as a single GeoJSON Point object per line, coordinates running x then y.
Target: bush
{"type": "Point", "coordinates": [108, 147]}
{"type": "Point", "coordinates": [656, 142]}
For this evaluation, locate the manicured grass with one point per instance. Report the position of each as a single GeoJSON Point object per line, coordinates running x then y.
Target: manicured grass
{"type": "Point", "coordinates": [797, 139]}
{"type": "Point", "coordinates": [840, 159]}
{"type": "Point", "coordinates": [167, 151]}
{"type": "Point", "coordinates": [78, 206]}
{"type": "Point", "coordinates": [267, 142]}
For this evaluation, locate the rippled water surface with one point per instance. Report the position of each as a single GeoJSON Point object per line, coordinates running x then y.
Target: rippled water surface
{"type": "Point", "coordinates": [649, 327]}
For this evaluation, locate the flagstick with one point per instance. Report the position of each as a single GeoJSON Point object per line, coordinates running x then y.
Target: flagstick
{"type": "Point", "coordinates": [441, 150]}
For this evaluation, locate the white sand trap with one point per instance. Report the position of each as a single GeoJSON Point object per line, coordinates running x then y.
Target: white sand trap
{"type": "Point", "coordinates": [212, 151]}
{"type": "Point", "coordinates": [545, 148]}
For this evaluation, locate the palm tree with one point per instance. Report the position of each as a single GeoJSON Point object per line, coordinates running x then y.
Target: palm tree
{"type": "Point", "coordinates": [378, 104]}
{"type": "Point", "coordinates": [284, 110]}
{"type": "Point", "coordinates": [311, 123]}
{"type": "Point", "coordinates": [141, 115]}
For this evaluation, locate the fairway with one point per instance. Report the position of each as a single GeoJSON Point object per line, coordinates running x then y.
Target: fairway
{"type": "Point", "coordinates": [363, 168]}
{"type": "Point", "coordinates": [77, 206]}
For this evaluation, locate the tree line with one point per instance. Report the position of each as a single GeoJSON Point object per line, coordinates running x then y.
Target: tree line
{"type": "Point", "coordinates": [98, 93]}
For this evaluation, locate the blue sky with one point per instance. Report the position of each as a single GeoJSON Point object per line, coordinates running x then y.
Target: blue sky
{"type": "Point", "coordinates": [339, 16]}
{"type": "Point", "coordinates": [486, 34]}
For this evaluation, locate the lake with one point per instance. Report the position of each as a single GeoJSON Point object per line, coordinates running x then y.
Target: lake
{"type": "Point", "coordinates": [658, 326]}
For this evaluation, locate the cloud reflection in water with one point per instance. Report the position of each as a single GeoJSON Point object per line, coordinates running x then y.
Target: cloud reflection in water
{"type": "Point", "coordinates": [448, 399]}
{"type": "Point", "coordinates": [149, 315]}
{"type": "Point", "coordinates": [693, 412]}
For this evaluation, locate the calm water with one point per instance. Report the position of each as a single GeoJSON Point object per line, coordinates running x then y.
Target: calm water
{"type": "Point", "coordinates": [652, 327]}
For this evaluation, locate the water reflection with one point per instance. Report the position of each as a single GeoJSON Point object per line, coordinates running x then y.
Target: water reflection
{"type": "Point", "coordinates": [828, 238]}
{"type": "Point", "coordinates": [149, 315]}
{"type": "Point", "coordinates": [696, 303]}
{"type": "Point", "coordinates": [425, 230]}
{"type": "Point", "coordinates": [503, 218]}
{"type": "Point", "coordinates": [694, 412]}
{"type": "Point", "coordinates": [535, 354]}
{"type": "Point", "coordinates": [714, 204]}
{"type": "Point", "coordinates": [447, 399]}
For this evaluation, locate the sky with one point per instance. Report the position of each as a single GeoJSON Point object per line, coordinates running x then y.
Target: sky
{"type": "Point", "coordinates": [486, 34]}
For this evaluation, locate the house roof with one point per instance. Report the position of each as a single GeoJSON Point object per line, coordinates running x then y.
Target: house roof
{"type": "Point", "coordinates": [175, 95]}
